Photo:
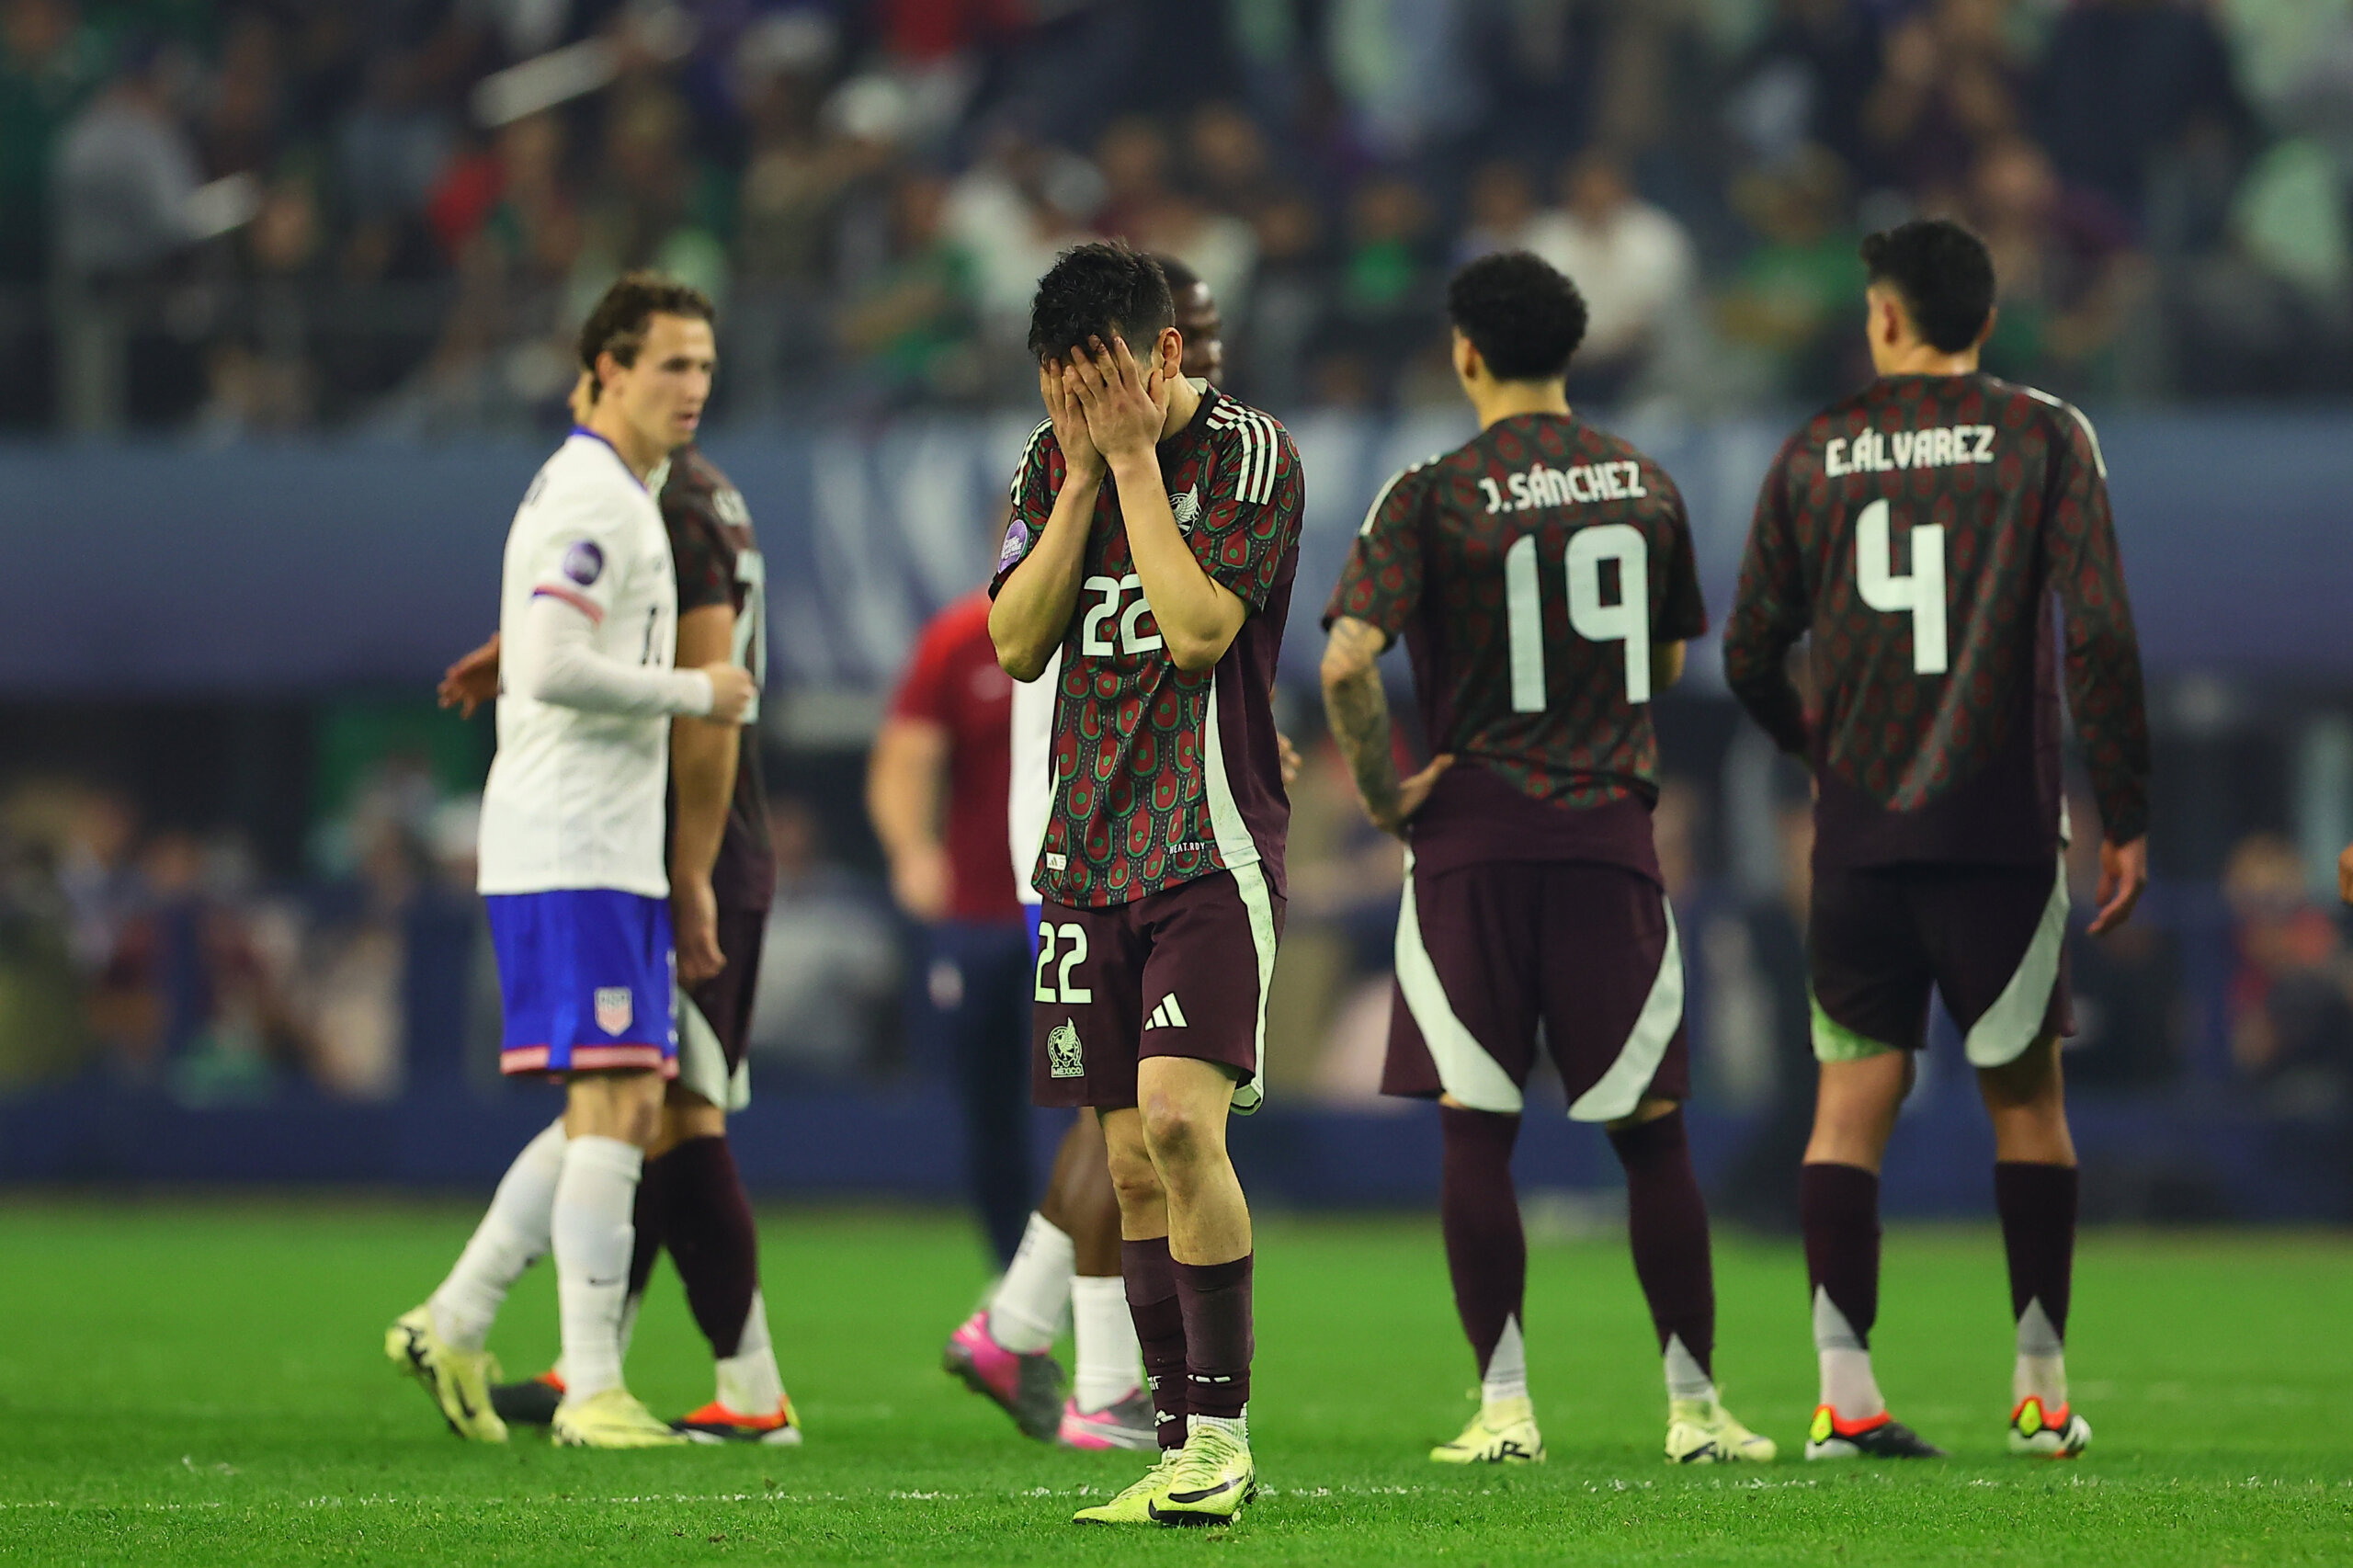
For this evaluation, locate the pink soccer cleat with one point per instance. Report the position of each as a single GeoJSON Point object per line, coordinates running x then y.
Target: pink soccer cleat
{"type": "Point", "coordinates": [1028, 1387]}
{"type": "Point", "coordinates": [1125, 1423]}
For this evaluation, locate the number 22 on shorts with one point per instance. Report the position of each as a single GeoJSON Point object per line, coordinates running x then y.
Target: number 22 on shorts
{"type": "Point", "coordinates": [1057, 987]}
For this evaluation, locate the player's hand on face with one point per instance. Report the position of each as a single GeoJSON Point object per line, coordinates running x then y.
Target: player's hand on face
{"type": "Point", "coordinates": [471, 681]}
{"type": "Point", "coordinates": [731, 690]}
{"type": "Point", "coordinates": [1126, 403]}
{"type": "Point", "coordinates": [2123, 873]}
{"type": "Point", "coordinates": [1059, 390]}
{"type": "Point", "coordinates": [1411, 794]}
{"type": "Point", "coordinates": [1287, 757]}
{"type": "Point", "coordinates": [694, 926]}
{"type": "Point", "coordinates": [919, 878]}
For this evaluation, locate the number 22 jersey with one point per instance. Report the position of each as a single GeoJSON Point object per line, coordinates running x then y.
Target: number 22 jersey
{"type": "Point", "coordinates": [1915, 532]}
{"type": "Point", "coordinates": [1161, 775]}
{"type": "Point", "coordinates": [1529, 571]}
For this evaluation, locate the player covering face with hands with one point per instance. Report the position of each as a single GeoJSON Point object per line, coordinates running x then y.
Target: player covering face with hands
{"type": "Point", "coordinates": [1153, 544]}
{"type": "Point", "coordinates": [575, 882]}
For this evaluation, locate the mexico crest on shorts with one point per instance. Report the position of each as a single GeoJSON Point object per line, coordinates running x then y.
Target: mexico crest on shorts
{"type": "Point", "coordinates": [1063, 1057]}
{"type": "Point", "coordinates": [614, 1009]}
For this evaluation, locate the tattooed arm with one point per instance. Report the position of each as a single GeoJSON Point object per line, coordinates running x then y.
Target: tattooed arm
{"type": "Point", "coordinates": [1359, 712]}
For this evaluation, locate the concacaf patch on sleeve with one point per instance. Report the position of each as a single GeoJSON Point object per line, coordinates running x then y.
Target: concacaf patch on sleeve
{"type": "Point", "coordinates": [584, 563]}
{"type": "Point", "coordinates": [1017, 539]}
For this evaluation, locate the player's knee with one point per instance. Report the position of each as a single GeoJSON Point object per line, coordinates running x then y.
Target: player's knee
{"type": "Point", "coordinates": [1179, 1133]}
{"type": "Point", "coordinates": [2028, 1085]}
{"type": "Point", "coordinates": [1134, 1182]}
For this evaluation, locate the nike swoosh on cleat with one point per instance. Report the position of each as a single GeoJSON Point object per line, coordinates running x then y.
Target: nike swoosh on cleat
{"type": "Point", "coordinates": [1220, 1490]}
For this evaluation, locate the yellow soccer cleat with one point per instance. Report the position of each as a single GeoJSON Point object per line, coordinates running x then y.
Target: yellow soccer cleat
{"type": "Point", "coordinates": [1701, 1431]}
{"type": "Point", "coordinates": [611, 1418]}
{"type": "Point", "coordinates": [2043, 1433]}
{"type": "Point", "coordinates": [457, 1381]}
{"type": "Point", "coordinates": [1133, 1506]}
{"type": "Point", "coordinates": [1502, 1433]}
{"type": "Point", "coordinates": [1214, 1479]}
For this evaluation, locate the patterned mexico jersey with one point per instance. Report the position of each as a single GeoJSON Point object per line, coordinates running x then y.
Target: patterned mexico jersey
{"type": "Point", "coordinates": [1530, 570]}
{"type": "Point", "coordinates": [719, 563]}
{"type": "Point", "coordinates": [1160, 777]}
{"type": "Point", "coordinates": [1916, 532]}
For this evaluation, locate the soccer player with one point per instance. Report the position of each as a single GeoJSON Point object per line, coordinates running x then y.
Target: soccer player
{"type": "Point", "coordinates": [722, 877]}
{"type": "Point", "coordinates": [574, 877]}
{"type": "Point", "coordinates": [1916, 532]}
{"type": "Point", "coordinates": [1069, 1252]}
{"type": "Point", "coordinates": [1153, 542]}
{"type": "Point", "coordinates": [1541, 576]}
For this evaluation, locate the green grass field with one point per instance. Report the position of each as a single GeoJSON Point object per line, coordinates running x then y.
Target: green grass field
{"type": "Point", "coordinates": [192, 1383]}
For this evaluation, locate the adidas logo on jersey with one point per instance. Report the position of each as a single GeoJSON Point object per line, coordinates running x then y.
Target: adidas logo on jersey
{"type": "Point", "coordinates": [1167, 1015]}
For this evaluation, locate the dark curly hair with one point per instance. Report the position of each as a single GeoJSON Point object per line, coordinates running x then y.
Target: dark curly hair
{"type": "Point", "coordinates": [1942, 272]}
{"type": "Point", "coordinates": [616, 326]}
{"type": "Point", "coordinates": [1522, 315]}
{"type": "Point", "coordinates": [1095, 289]}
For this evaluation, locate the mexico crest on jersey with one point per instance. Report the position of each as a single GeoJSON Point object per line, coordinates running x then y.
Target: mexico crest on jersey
{"type": "Point", "coordinates": [615, 1008]}
{"type": "Point", "coordinates": [1064, 1056]}
{"type": "Point", "coordinates": [1186, 510]}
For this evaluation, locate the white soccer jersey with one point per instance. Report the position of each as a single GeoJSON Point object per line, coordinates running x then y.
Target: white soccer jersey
{"type": "Point", "coordinates": [1030, 800]}
{"type": "Point", "coordinates": [575, 799]}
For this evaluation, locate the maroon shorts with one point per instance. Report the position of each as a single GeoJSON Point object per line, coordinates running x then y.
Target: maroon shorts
{"type": "Point", "coordinates": [1487, 951]}
{"type": "Point", "coordinates": [1990, 939]}
{"type": "Point", "coordinates": [1180, 972]}
{"type": "Point", "coordinates": [725, 999]}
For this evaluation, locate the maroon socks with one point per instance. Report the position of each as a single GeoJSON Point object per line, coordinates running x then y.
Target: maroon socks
{"type": "Point", "coordinates": [1214, 1299]}
{"type": "Point", "coordinates": [692, 1201]}
{"type": "Point", "coordinates": [1839, 1207]}
{"type": "Point", "coordinates": [1150, 1277]}
{"type": "Point", "coordinates": [1667, 1225]}
{"type": "Point", "coordinates": [2037, 1206]}
{"type": "Point", "coordinates": [1486, 1252]}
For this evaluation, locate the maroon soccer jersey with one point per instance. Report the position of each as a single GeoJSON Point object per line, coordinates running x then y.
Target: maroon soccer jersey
{"type": "Point", "coordinates": [1530, 570]}
{"type": "Point", "coordinates": [719, 563]}
{"type": "Point", "coordinates": [1916, 532]}
{"type": "Point", "coordinates": [1161, 775]}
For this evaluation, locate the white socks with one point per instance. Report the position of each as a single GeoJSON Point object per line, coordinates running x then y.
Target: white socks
{"type": "Point", "coordinates": [1506, 1374]}
{"type": "Point", "coordinates": [2042, 1368]}
{"type": "Point", "coordinates": [749, 1383]}
{"type": "Point", "coordinates": [512, 1235]}
{"type": "Point", "coordinates": [593, 1236]}
{"type": "Point", "coordinates": [1110, 1364]}
{"type": "Point", "coordinates": [1847, 1386]}
{"type": "Point", "coordinates": [1684, 1380]}
{"type": "Point", "coordinates": [1027, 1311]}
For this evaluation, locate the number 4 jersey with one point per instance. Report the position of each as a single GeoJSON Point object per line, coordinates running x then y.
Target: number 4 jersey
{"type": "Point", "coordinates": [1530, 570]}
{"type": "Point", "coordinates": [1160, 777]}
{"type": "Point", "coordinates": [1916, 532]}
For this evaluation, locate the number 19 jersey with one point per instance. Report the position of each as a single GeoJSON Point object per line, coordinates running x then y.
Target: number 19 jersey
{"type": "Point", "coordinates": [1529, 571]}
{"type": "Point", "coordinates": [1916, 532]}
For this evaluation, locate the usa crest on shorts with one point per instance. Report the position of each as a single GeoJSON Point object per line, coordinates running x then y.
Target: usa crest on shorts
{"type": "Point", "coordinates": [615, 1008]}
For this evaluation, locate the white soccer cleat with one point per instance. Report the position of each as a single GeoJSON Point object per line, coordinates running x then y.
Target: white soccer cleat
{"type": "Point", "coordinates": [1503, 1432]}
{"type": "Point", "coordinates": [2043, 1433]}
{"type": "Point", "coordinates": [1701, 1431]}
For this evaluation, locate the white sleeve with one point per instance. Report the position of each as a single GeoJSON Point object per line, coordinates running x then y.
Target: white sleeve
{"type": "Point", "coordinates": [555, 661]}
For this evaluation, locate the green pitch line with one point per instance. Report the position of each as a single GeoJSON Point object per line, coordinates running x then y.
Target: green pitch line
{"type": "Point", "coordinates": [202, 1383]}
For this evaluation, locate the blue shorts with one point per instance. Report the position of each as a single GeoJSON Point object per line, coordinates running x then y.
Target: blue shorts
{"type": "Point", "coordinates": [585, 977]}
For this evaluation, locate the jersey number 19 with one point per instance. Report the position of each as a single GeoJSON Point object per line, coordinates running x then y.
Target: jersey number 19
{"type": "Point", "coordinates": [1628, 622]}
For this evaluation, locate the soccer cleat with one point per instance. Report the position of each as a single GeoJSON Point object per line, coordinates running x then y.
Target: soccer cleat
{"type": "Point", "coordinates": [1503, 1432]}
{"type": "Point", "coordinates": [1025, 1386]}
{"type": "Point", "coordinates": [1883, 1437]}
{"type": "Point", "coordinates": [529, 1404]}
{"type": "Point", "coordinates": [1125, 1423]}
{"type": "Point", "coordinates": [1701, 1431]}
{"type": "Point", "coordinates": [611, 1418]}
{"type": "Point", "coordinates": [456, 1381]}
{"type": "Point", "coordinates": [2058, 1433]}
{"type": "Point", "coordinates": [714, 1423]}
{"type": "Point", "coordinates": [1133, 1506]}
{"type": "Point", "coordinates": [1211, 1481]}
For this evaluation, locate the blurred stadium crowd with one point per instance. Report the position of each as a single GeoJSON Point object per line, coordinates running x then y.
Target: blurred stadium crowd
{"type": "Point", "coordinates": [264, 215]}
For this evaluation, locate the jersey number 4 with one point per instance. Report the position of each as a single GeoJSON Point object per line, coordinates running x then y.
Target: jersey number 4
{"type": "Point", "coordinates": [1921, 595]}
{"type": "Point", "coordinates": [1627, 621]}
{"type": "Point", "coordinates": [1073, 945]}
